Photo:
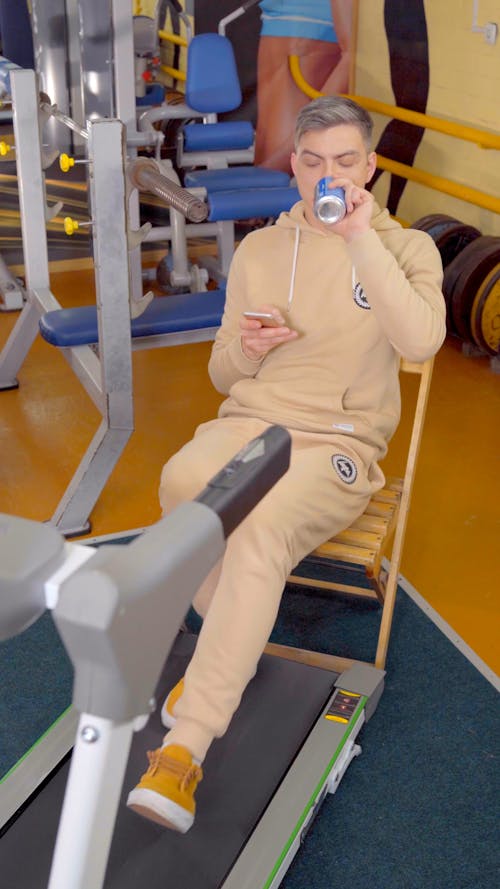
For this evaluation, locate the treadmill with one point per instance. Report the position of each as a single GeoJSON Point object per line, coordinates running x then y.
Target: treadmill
{"type": "Point", "coordinates": [287, 746]}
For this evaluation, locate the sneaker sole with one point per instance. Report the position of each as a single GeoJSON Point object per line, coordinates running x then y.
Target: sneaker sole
{"type": "Point", "coordinates": [167, 720]}
{"type": "Point", "coordinates": [160, 809]}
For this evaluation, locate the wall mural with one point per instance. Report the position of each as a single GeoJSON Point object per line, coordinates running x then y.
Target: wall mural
{"type": "Point", "coordinates": [406, 31]}
{"type": "Point", "coordinates": [320, 33]}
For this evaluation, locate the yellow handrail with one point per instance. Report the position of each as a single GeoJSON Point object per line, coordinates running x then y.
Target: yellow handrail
{"type": "Point", "coordinates": [469, 134]}
{"type": "Point", "coordinates": [172, 38]}
{"type": "Point", "coordinates": [173, 72]}
{"type": "Point", "coordinates": [462, 192]}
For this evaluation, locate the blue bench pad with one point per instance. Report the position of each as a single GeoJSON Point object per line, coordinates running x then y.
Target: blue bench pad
{"type": "Point", "coordinates": [254, 202]}
{"type": "Point", "coordinates": [165, 314]}
{"type": "Point", "coordinates": [225, 135]}
{"type": "Point", "coordinates": [236, 177]}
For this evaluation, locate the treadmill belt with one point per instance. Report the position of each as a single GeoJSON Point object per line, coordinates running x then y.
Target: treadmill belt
{"type": "Point", "coordinates": [242, 771]}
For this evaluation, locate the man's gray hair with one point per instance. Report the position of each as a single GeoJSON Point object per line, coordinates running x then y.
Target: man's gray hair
{"type": "Point", "coordinates": [331, 111]}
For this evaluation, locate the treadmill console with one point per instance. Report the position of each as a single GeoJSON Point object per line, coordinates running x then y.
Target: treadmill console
{"type": "Point", "coordinates": [343, 706]}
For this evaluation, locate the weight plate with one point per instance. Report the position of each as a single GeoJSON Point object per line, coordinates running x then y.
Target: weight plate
{"type": "Point", "coordinates": [485, 313]}
{"type": "Point", "coordinates": [449, 234]}
{"type": "Point", "coordinates": [462, 278]}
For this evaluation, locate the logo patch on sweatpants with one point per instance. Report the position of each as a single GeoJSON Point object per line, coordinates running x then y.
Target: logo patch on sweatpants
{"type": "Point", "coordinates": [345, 468]}
{"type": "Point", "coordinates": [359, 297]}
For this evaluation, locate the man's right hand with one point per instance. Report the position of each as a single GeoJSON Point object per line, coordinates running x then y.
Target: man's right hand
{"type": "Point", "coordinates": [257, 340]}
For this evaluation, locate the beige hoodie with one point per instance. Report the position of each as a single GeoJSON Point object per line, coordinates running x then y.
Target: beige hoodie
{"type": "Point", "coordinates": [357, 307]}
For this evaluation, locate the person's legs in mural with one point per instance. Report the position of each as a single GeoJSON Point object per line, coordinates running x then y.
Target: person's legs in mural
{"type": "Point", "coordinates": [279, 98]}
{"type": "Point", "coordinates": [318, 33]}
{"type": "Point", "coordinates": [406, 30]}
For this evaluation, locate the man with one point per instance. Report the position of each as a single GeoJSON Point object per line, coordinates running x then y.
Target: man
{"type": "Point", "coordinates": [349, 299]}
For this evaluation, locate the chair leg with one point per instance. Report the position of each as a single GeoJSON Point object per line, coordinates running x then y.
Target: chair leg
{"type": "Point", "coordinates": [387, 615]}
{"type": "Point", "coordinates": [379, 584]}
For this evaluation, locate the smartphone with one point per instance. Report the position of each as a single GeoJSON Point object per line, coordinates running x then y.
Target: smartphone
{"type": "Point", "coordinates": [266, 319]}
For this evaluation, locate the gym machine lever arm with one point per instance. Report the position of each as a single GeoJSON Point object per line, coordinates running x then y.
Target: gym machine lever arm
{"type": "Point", "coordinates": [52, 111]}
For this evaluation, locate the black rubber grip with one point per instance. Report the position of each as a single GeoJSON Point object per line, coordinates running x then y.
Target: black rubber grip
{"type": "Point", "coordinates": [239, 486]}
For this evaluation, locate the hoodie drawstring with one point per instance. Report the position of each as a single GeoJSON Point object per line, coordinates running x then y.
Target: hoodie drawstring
{"type": "Point", "coordinates": [294, 266]}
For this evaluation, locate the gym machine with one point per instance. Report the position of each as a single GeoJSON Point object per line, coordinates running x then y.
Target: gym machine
{"type": "Point", "coordinates": [105, 370]}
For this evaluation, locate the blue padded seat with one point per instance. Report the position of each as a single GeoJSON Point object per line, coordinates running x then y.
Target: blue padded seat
{"type": "Point", "coordinates": [254, 202]}
{"type": "Point", "coordinates": [165, 314]}
{"type": "Point", "coordinates": [236, 177]}
{"type": "Point", "coordinates": [212, 83]}
{"type": "Point", "coordinates": [225, 135]}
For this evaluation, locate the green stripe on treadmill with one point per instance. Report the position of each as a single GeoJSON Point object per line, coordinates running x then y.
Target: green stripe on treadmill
{"type": "Point", "coordinates": [35, 745]}
{"type": "Point", "coordinates": [320, 783]}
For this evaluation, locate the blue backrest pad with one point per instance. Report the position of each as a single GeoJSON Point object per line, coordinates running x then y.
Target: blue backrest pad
{"type": "Point", "coordinates": [212, 82]}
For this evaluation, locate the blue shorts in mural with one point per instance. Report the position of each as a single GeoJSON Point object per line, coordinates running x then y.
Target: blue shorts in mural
{"type": "Point", "coordinates": [293, 18]}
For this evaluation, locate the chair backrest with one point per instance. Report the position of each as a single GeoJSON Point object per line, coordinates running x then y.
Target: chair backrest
{"type": "Point", "coordinates": [212, 81]}
{"type": "Point", "coordinates": [425, 371]}
{"type": "Point", "coordinates": [377, 534]}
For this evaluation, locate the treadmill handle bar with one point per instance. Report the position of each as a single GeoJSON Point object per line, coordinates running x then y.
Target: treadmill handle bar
{"type": "Point", "coordinates": [242, 483]}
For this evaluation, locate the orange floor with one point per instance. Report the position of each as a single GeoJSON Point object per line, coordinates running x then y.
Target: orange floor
{"type": "Point", "coordinates": [453, 534]}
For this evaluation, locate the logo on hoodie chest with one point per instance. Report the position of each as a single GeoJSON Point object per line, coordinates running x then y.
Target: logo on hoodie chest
{"type": "Point", "coordinates": [358, 295]}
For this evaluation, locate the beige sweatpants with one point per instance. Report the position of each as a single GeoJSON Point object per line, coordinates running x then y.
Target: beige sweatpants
{"type": "Point", "coordinates": [239, 600]}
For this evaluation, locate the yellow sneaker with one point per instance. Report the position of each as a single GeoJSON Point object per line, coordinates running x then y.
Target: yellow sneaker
{"type": "Point", "coordinates": [165, 793]}
{"type": "Point", "coordinates": [167, 711]}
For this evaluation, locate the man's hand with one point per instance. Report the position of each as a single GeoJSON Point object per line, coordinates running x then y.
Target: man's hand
{"type": "Point", "coordinates": [359, 207]}
{"type": "Point", "coordinates": [257, 340]}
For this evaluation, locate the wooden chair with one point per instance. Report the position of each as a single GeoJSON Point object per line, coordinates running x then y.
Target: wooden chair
{"type": "Point", "coordinates": [378, 534]}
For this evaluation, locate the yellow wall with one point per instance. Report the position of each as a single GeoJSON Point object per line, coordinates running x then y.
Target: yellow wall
{"type": "Point", "coordinates": [464, 87]}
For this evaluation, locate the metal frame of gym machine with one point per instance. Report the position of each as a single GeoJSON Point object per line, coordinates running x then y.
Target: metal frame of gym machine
{"type": "Point", "coordinates": [105, 372]}
{"type": "Point", "coordinates": [107, 379]}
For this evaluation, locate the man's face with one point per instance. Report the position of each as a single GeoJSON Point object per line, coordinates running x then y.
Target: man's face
{"type": "Point", "coordinates": [339, 152]}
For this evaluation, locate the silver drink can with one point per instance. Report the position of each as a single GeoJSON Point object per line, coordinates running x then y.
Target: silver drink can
{"type": "Point", "coordinates": [329, 203]}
